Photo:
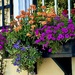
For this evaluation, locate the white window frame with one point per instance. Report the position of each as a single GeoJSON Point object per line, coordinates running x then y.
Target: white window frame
{"type": "Point", "coordinates": [19, 5]}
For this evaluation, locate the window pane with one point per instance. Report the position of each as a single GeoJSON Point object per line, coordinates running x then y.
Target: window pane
{"type": "Point", "coordinates": [6, 2]}
{"type": "Point", "coordinates": [0, 17]}
{"type": "Point", "coordinates": [7, 16]}
{"type": "Point", "coordinates": [0, 2]}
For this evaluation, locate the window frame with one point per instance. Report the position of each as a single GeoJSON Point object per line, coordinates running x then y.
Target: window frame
{"type": "Point", "coordinates": [10, 6]}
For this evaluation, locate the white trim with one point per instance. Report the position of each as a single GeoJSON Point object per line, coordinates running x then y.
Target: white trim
{"type": "Point", "coordinates": [55, 1]}
{"type": "Point", "coordinates": [15, 8]}
{"type": "Point", "coordinates": [69, 13]}
{"type": "Point", "coordinates": [31, 2]}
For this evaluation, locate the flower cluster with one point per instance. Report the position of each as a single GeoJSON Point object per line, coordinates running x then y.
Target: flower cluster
{"type": "Point", "coordinates": [3, 38]}
{"type": "Point", "coordinates": [37, 31]}
{"type": "Point", "coordinates": [51, 36]}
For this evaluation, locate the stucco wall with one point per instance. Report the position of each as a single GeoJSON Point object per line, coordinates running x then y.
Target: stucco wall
{"type": "Point", "coordinates": [73, 66]}
{"type": "Point", "coordinates": [48, 67]}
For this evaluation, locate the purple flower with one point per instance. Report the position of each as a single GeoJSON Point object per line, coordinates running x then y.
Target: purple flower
{"type": "Point", "coordinates": [49, 36]}
{"type": "Point", "coordinates": [43, 34]}
{"type": "Point", "coordinates": [18, 70]}
{"type": "Point", "coordinates": [57, 18]}
{"type": "Point", "coordinates": [60, 37]}
{"type": "Point", "coordinates": [23, 48]}
{"type": "Point", "coordinates": [44, 27]}
{"type": "Point", "coordinates": [64, 30]}
{"type": "Point", "coordinates": [16, 63]}
{"type": "Point", "coordinates": [50, 50]}
{"type": "Point", "coordinates": [70, 21]}
{"type": "Point", "coordinates": [1, 43]}
{"type": "Point", "coordinates": [18, 57]}
{"type": "Point", "coordinates": [45, 45]}
{"type": "Point", "coordinates": [1, 47]}
{"type": "Point", "coordinates": [71, 35]}
{"type": "Point", "coordinates": [16, 45]}
{"type": "Point", "coordinates": [48, 31]}
{"type": "Point", "coordinates": [67, 35]}
{"type": "Point", "coordinates": [60, 24]}
{"type": "Point", "coordinates": [4, 30]}
{"type": "Point", "coordinates": [37, 41]}
{"type": "Point", "coordinates": [53, 38]}
{"type": "Point", "coordinates": [42, 38]}
{"type": "Point", "coordinates": [36, 32]}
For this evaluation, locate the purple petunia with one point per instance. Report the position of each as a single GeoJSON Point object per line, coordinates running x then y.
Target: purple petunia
{"type": "Point", "coordinates": [49, 36]}
{"type": "Point", "coordinates": [37, 41]}
{"type": "Point", "coordinates": [67, 36]}
{"type": "Point", "coordinates": [1, 47]}
{"type": "Point", "coordinates": [50, 50]}
{"type": "Point", "coordinates": [60, 37]}
{"type": "Point", "coordinates": [64, 30]}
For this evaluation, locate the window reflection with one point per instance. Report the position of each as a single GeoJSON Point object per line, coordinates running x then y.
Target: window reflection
{"type": "Point", "coordinates": [6, 2]}
{"type": "Point", "coordinates": [0, 2]}
{"type": "Point", "coordinates": [0, 17]}
{"type": "Point", "coordinates": [7, 16]}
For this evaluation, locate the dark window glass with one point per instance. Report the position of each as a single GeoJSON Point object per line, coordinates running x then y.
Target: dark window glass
{"type": "Point", "coordinates": [6, 12]}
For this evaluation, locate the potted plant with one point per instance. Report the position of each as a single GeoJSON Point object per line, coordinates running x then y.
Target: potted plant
{"type": "Point", "coordinates": [33, 33]}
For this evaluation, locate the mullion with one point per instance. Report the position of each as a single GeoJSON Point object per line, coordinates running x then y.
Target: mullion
{"type": "Point", "coordinates": [11, 8]}
{"type": "Point", "coordinates": [2, 12]}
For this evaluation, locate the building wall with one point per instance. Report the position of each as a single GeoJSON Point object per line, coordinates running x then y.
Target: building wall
{"type": "Point", "coordinates": [48, 67]}
{"type": "Point", "coordinates": [73, 66]}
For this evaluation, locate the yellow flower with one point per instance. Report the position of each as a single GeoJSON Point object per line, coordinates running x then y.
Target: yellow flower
{"type": "Point", "coordinates": [28, 34]}
{"type": "Point", "coordinates": [43, 22]}
{"type": "Point", "coordinates": [33, 26]}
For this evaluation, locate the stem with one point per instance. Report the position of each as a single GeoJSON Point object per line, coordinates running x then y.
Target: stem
{"type": "Point", "coordinates": [28, 73]}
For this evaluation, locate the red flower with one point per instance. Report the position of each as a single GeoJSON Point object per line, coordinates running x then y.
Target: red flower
{"type": "Point", "coordinates": [73, 11]}
{"type": "Point", "coordinates": [65, 11]}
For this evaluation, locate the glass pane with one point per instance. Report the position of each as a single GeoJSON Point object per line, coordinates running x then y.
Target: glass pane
{"type": "Point", "coordinates": [0, 17]}
{"type": "Point", "coordinates": [7, 16]}
{"type": "Point", "coordinates": [0, 2]}
{"type": "Point", "coordinates": [6, 2]}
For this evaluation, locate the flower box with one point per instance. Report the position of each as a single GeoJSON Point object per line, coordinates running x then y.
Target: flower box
{"type": "Point", "coordinates": [67, 50]}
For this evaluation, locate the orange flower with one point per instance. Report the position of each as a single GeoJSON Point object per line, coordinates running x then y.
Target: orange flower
{"type": "Point", "coordinates": [49, 19]}
{"type": "Point", "coordinates": [43, 7]}
{"type": "Point", "coordinates": [29, 9]}
{"type": "Point", "coordinates": [27, 13]}
{"type": "Point", "coordinates": [18, 16]}
{"type": "Point", "coordinates": [49, 15]}
{"type": "Point", "coordinates": [22, 16]}
{"type": "Point", "coordinates": [33, 7]}
{"type": "Point", "coordinates": [16, 29]}
{"type": "Point", "coordinates": [19, 27]}
{"type": "Point", "coordinates": [31, 16]}
{"type": "Point", "coordinates": [23, 12]}
{"type": "Point", "coordinates": [39, 13]}
{"type": "Point", "coordinates": [31, 21]}
{"type": "Point", "coordinates": [44, 22]}
{"type": "Point", "coordinates": [53, 15]}
{"type": "Point", "coordinates": [33, 26]}
{"type": "Point", "coordinates": [44, 14]}
{"type": "Point", "coordinates": [28, 34]}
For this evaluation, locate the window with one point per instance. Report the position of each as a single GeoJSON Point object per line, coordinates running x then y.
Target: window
{"type": "Point", "coordinates": [22, 5]}
{"type": "Point", "coordinates": [6, 11]}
